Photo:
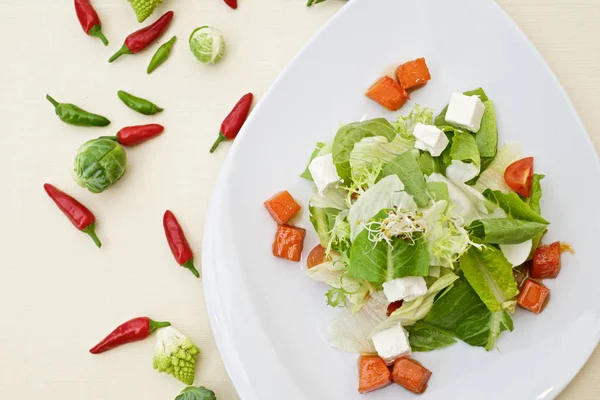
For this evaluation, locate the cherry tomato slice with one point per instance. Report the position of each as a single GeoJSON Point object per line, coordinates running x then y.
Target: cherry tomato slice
{"type": "Point", "coordinates": [519, 176]}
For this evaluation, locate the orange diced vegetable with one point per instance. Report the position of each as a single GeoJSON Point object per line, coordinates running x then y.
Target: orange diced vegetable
{"type": "Point", "coordinates": [289, 242]}
{"type": "Point", "coordinates": [388, 93]}
{"type": "Point", "coordinates": [373, 374]}
{"type": "Point", "coordinates": [316, 256]}
{"type": "Point", "coordinates": [411, 374]}
{"type": "Point", "coordinates": [534, 296]}
{"type": "Point", "coordinates": [546, 261]}
{"type": "Point", "coordinates": [413, 73]}
{"type": "Point", "coordinates": [282, 207]}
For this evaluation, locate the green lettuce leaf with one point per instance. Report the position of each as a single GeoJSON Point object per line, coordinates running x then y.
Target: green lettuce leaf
{"type": "Point", "coordinates": [487, 136]}
{"type": "Point", "coordinates": [196, 393]}
{"type": "Point", "coordinates": [438, 191]}
{"type": "Point", "coordinates": [381, 262]}
{"type": "Point", "coordinates": [464, 148]}
{"type": "Point", "coordinates": [406, 167]}
{"type": "Point", "coordinates": [427, 163]}
{"type": "Point", "coordinates": [536, 193]}
{"type": "Point", "coordinates": [514, 206]}
{"type": "Point", "coordinates": [493, 176]}
{"type": "Point", "coordinates": [316, 153]}
{"type": "Point", "coordinates": [349, 135]}
{"type": "Point", "coordinates": [425, 337]}
{"type": "Point", "coordinates": [385, 194]}
{"type": "Point", "coordinates": [333, 197]}
{"type": "Point", "coordinates": [491, 276]}
{"type": "Point", "coordinates": [333, 273]}
{"type": "Point", "coordinates": [505, 230]}
{"type": "Point", "coordinates": [323, 220]}
{"type": "Point", "coordinates": [462, 312]}
{"type": "Point", "coordinates": [376, 150]}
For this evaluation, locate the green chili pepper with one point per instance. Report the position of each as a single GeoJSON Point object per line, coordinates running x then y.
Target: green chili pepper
{"type": "Point", "coordinates": [71, 114]}
{"type": "Point", "coordinates": [138, 104]}
{"type": "Point", "coordinates": [161, 54]}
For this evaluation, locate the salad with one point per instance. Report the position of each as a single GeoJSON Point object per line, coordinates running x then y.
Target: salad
{"type": "Point", "coordinates": [428, 234]}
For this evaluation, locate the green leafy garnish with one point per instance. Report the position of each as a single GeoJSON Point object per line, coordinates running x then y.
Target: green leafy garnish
{"type": "Point", "coordinates": [505, 230]}
{"type": "Point", "coordinates": [336, 297]}
{"type": "Point", "coordinates": [462, 312]}
{"type": "Point", "coordinates": [514, 206]}
{"type": "Point", "coordinates": [196, 393]}
{"type": "Point", "coordinates": [425, 337]}
{"type": "Point", "coordinates": [406, 167]}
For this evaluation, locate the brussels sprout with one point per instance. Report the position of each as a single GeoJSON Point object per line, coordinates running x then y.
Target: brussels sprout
{"type": "Point", "coordinates": [99, 164]}
{"type": "Point", "coordinates": [207, 44]}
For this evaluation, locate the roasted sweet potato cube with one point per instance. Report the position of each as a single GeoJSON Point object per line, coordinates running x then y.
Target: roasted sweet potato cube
{"type": "Point", "coordinates": [282, 207]}
{"type": "Point", "coordinates": [546, 261]}
{"type": "Point", "coordinates": [373, 374]}
{"type": "Point", "coordinates": [413, 73]}
{"type": "Point", "coordinates": [411, 374]}
{"type": "Point", "coordinates": [534, 296]}
{"type": "Point", "coordinates": [289, 242]}
{"type": "Point", "coordinates": [388, 93]}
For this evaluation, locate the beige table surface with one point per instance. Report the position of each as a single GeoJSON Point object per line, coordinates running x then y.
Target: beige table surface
{"type": "Point", "coordinates": [58, 293]}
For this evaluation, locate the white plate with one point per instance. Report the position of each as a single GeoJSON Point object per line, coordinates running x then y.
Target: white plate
{"type": "Point", "coordinates": [270, 320]}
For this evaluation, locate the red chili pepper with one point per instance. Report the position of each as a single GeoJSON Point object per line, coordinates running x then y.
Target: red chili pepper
{"type": "Point", "coordinates": [89, 20]}
{"type": "Point", "coordinates": [131, 331]}
{"type": "Point", "coordinates": [233, 123]}
{"type": "Point", "coordinates": [231, 3]}
{"type": "Point", "coordinates": [178, 243]}
{"type": "Point", "coordinates": [143, 38]}
{"type": "Point", "coordinates": [133, 135]}
{"type": "Point", "coordinates": [78, 214]}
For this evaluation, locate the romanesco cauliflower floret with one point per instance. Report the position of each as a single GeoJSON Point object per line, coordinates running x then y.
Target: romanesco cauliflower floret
{"type": "Point", "coordinates": [176, 355]}
{"type": "Point", "coordinates": [144, 8]}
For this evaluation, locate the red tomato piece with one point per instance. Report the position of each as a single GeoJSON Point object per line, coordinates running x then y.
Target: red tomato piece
{"type": "Point", "coordinates": [519, 176]}
{"type": "Point", "coordinates": [546, 261]}
{"type": "Point", "coordinates": [316, 256]}
{"type": "Point", "coordinates": [393, 306]}
{"type": "Point", "coordinates": [413, 73]}
{"type": "Point", "coordinates": [534, 296]}
{"type": "Point", "coordinates": [411, 375]}
{"type": "Point", "coordinates": [289, 242]}
{"type": "Point", "coordinates": [373, 374]}
{"type": "Point", "coordinates": [388, 93]}
{"type": "Point", "coordinates": [282, 207]}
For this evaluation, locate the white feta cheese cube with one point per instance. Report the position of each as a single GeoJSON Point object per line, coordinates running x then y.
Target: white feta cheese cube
{"type": "Point", "coordinates": [392, 343]}
{"type": "Point", "coordinates": [465, 111]}
{"type": "Point", "coordinates": [517, 254]}
{"type": "Point", "coordinates": [430, 138]}
{"type": "Point", "coordinates": [323, 172]}
{"type": "Point", "coordinates": [406, 289]}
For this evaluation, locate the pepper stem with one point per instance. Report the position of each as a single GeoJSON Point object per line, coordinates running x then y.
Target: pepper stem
{"type": "Point", "coordinates": [91, 230]}
{"type": "Point", "coordinates": [51, 100]}
{"type": "Point", "coordinates": [96, 31]}
{"type": "Point", "coordinates": [190, 265]}
{"type": "Point", "coordinates": [219, 140]}
{"type": "Point", "coordinates": [122, 50]}
{"type": "Point", "coordinates": [154, 325]}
